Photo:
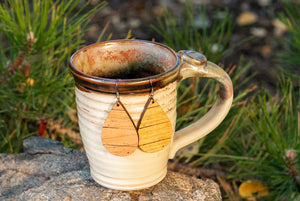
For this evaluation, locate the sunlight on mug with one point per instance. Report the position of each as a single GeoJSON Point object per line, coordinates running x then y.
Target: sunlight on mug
{"type": "Point", "coordinates": [130, 71]}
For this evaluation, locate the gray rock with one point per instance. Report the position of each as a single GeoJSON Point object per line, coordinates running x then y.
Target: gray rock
{"type": "Point", "coordinates": [49, 171]}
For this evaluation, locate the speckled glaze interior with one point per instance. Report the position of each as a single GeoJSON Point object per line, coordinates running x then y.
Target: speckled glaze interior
{"type": "Point", "coordinates": [129, 63]}
{"type": "Point", "coordinates": [124, 60]}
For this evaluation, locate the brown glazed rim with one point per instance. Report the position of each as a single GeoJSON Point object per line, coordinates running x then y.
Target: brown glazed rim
{"type": "Point", "coordinates": [138, 85]}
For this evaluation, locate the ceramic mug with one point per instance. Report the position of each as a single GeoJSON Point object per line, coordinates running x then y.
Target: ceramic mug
{"type": "Point", "coordinates": [132, 69]}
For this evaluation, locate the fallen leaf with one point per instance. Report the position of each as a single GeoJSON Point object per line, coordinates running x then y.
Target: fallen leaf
{"type": "Point", "coordinates": [30, 81]}
{"type": "Point", "coordinates": [279, 27]}
{"type": "Point", "coordinates": [246, 18]}
{"type": "Point", "coordinates": [253, 189]}
{"type": "Point", "coordinates": [42, 128]}
{"type": "Point", "coordinates": [266, 51]}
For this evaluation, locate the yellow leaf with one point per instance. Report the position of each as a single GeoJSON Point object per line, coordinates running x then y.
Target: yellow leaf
{"type": "Point", "coordinates": [30, 81]}
{"type": "Point", "coordinates": [246, 18]}
{"type": "Point", "coordinates": [253, 189]}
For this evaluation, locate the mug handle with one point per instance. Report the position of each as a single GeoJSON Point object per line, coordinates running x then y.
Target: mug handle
{"type": "Point", "coordinates": [194, 64]}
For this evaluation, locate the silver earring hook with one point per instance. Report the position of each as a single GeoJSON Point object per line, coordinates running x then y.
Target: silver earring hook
{"type": "Point", "coordinates": [117, 92]}
{"type": "Point", "coordinates": [152, 91]}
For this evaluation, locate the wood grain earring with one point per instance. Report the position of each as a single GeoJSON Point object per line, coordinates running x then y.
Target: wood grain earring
{"type": "Point", "coordinates": [154, 128]}
{"type": "Point", "coordinates": [119, 133]}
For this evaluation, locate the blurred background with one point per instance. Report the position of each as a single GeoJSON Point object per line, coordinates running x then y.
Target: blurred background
{"type": "Point", "coordinates": [253, 154]}
{"type": "Point", "coordinates": [259, 18]}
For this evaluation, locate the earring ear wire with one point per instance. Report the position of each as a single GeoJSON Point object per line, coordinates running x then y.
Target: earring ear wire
{"type": "Point", "coordinates": [119, 134]}
{"type": "Point", "coordinates": [117, 93]}
{"type": "Point", "coordinates": [151, 90]}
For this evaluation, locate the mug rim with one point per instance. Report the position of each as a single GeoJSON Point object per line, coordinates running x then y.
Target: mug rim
{"type": "Point", "coordinates": [94, 83]}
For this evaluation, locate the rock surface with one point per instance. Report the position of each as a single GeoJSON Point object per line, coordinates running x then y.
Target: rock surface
{"type": "Point", "coordinates": [49, 171]}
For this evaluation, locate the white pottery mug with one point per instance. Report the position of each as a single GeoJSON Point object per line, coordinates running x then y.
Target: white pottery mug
{"type": "Point", "coordinates": [98, 67]}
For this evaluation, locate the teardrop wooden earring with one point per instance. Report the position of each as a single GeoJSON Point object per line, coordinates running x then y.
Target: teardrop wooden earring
{"type": "Point", "coordinates": [154, 128]}
{"type": "Point", "coordinates": [119, 134]}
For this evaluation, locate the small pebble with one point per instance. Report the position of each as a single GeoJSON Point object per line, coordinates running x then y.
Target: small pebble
{"type": "Point", "coordinates": [258, 31]}
{"type": "Point", "coordinates": [115, 19]}
{"type": "Point", "coordinates": [202, 22]}
{"type": "Point", "coordinates": [196, 1]}
{"type": "Point", "coordinates": [93, 31]}
{"type": "Point", "coordinates": [245, 6]}
{"type": "Point", "coordinates": [134, 22]}
{"type": "Point", "coordinates": [215, 48]}
{"type": "Point", "coordinates": [263, 3]}
{"type": "Point", "coordinates": [94, 2]}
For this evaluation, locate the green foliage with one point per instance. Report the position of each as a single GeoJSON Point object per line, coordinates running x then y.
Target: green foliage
{"type": "Point", "coordinates": [289, 59]}
{"type": "Point", "coordinates": [214, 143]}
{"type": "Point", "coordinates": [271, 139]}
{"type": "Point", "coordinates": [38, 38]}
{"type": "Point", "coordinates": [196, 96]}
{"type": "Point", "coordinates": [259, 138]}
{"type": "Point", "coordinates": [181, 32]}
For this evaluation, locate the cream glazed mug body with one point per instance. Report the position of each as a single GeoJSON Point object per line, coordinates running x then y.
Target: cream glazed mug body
{"type": "Point", "coordinates": [132, 69]}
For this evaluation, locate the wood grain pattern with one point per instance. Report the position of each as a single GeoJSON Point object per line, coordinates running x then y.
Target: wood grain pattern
{"type": "Point", "coordinates": [155, 129]}
{"type": "Point", "coordinates": [119, 134]}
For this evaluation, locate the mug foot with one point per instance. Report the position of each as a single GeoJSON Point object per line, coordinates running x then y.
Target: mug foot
{"type": "Point", "coordinates": [127, 185]}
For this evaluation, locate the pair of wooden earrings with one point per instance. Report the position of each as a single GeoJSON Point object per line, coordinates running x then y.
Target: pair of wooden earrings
{"type": "Point", "coordinates": [121, 137]}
